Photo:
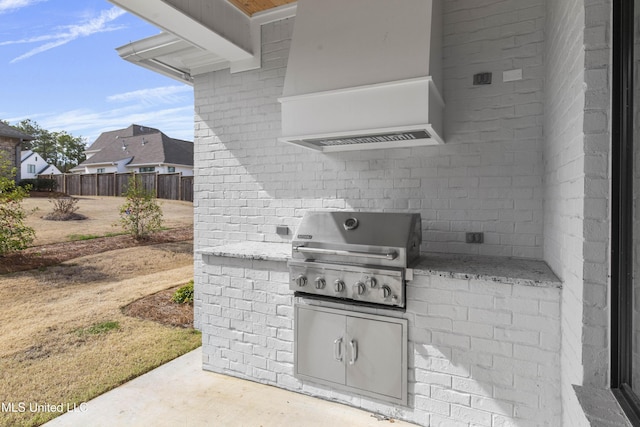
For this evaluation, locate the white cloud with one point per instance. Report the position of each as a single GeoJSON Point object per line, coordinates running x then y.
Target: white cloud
{"type": "Point", "coordinates": [29, 40]}
{"type": "Point", "coordinates": [175, 122]}
{"type": "Point", "coordinates": [10, 5]}
{"type": "Point", "coordinates": [70, 33]}
{"type": "Point", "coordinates": [154, 96]}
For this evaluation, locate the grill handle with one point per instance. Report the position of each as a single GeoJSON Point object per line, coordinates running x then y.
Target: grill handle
{"type": "Point", "coordinates": [389, 255]}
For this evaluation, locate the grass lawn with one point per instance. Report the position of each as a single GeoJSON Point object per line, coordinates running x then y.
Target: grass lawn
{"type": "Point", "coordinates": [63, 336]}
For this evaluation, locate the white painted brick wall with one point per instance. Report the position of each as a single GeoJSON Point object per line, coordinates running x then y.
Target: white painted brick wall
{"type": "Point", "coordinates": [564, 183]}
{"type": "Point", "coordinates": [597, 184]}
{"type": "Point", "coordinates": [577, 187]}
{"type": "Point", "coordinates": [486, 178]}
{"type": "Point", "coordinates": [492, 176]}
{"type": "Point", "coordinates": [478, 351]}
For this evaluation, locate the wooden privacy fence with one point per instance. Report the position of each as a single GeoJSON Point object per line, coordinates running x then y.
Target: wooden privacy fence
{"type": "Point", "coordinates": [172, 186]}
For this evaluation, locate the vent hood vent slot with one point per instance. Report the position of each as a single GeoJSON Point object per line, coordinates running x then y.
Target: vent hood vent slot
{"type": "Point", "coordinates": [364, 74]}
{"type": "Point", "coordinates": [379, 140]}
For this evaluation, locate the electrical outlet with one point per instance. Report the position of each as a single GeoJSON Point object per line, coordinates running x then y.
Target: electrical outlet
{"type": "Point", "coordinates": [474, 237]}
{"type": "Point", "coordinates": [282, 230]}
{"type": "Point", "coordinates": [482, 79]}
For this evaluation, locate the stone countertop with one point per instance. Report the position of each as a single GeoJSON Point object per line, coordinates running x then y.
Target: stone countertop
{"type": "Point", "coordinates": [518, 271]}
{"type": "Point", "coordinates": [251, 250]}
{"type": "Point", "coordinates": [499, 269]}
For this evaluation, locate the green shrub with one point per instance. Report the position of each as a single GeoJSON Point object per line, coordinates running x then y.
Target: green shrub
{"type": "Point", "coordinates": [14, 234]}
{"type": "Point", "coordinates": [27, 184]}
{"type": "Point", "coordinates": [140, 215]}
{"type": "Point", "coordinates": [184, 294]}
{"type": "Point", "coordinates": [39, 184]}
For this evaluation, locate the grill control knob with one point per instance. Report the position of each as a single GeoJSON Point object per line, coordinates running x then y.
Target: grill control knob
{"type": "Point", "coordinates": [320, 283]}
{"type": "Point", "coordinates": [371, 282]}
{"type": "Point", "coordinates": [386, 292]}
{"type": "Point", "coordinates": [360, 288]}
{"type": "Point", "coordinates": [301, 280]}
{"type": "Point", "coordinates": [338, 285]}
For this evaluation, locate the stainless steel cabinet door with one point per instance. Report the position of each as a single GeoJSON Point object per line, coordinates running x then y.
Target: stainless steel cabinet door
{"type": "Point", "coordinates": [375, 353]}
{"type": "Point", "coordinates": [320, 345]}
{"type": "Point", "coordinates": [353, 351]}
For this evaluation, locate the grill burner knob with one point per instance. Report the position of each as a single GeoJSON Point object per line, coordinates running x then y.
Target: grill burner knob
{"type": "Point", "coordinates": [360, 288]}
{"type": "Point", "coordinates": [338, 285]}
{"type": "Point", "coordinates": [301, 280]}
{"type": "Point", "coordinates": [386, 292]}
{"type": "Point", "coordinates": [320, 283]}
{"type": "Point", "coordinates": [371, 282]}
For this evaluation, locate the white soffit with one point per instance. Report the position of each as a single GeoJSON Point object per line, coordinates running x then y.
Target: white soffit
{"type": "Point", "coordinates": [188, 48]}
{"type": "Point", "coordinates": [171, 56]}
{"type": "Point", "coordinates": [172, 20]}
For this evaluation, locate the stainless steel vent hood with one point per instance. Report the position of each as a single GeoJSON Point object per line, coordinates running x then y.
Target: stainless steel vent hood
{"type": "Point", "coordinates": [364, 74]}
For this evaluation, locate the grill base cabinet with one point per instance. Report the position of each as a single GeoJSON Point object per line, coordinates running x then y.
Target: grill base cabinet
{"type": "Point", "coordinates": [359, 352]}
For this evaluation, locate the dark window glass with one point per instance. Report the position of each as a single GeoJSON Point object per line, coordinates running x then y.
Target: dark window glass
{"type": "Point", "coordinates": [625, 208]}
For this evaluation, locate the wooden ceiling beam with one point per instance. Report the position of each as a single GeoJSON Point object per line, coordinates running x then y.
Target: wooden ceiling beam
{"type": "Point", "coordinates": [251, 7]}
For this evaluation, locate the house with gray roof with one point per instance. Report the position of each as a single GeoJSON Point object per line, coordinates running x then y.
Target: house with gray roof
{"type": "Point", "coordinates": [10, 142]}
{"type": "Point", "coordinates": [137, 149]}
{"type": "Point", "coordinates": [33, 164]}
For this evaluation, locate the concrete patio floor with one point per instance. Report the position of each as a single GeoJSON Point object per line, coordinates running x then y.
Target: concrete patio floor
{"type": "Point", "coordinates": [180, 393]}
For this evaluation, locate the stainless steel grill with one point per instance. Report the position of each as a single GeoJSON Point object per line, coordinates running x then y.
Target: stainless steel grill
{"type": "Point", "coordinates": [355, 256]}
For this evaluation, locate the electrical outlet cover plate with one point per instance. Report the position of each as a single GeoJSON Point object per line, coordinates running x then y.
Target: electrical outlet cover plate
{"type": "Point", "coordinates": [482, 79]}
{"type": "Point", "coordinates": [474, 237]}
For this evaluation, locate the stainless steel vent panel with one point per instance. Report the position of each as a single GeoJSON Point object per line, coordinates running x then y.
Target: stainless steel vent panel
{"type": "Point", "coordinates": [367, 139]}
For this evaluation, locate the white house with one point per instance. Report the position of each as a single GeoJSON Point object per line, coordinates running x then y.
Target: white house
{"type": "Point", "coordinates": [137, 149]}
{"type": "Point", "coordinates": [32, 165]}
{"type": "Point", "coordinates": [511, 118]}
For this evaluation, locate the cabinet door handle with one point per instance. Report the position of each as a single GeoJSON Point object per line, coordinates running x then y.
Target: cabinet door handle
{"type": "Point", "coordinates": [337, 349]}
{"type": "Point", "coordinates": [354, 351]}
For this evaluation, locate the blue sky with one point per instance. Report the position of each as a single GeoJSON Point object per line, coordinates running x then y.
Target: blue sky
{"type": "Point", "coordinates": [59, 67]}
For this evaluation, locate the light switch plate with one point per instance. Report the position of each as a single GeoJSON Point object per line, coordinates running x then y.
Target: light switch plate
{"type": "Point", "coordinates": [512, 75]}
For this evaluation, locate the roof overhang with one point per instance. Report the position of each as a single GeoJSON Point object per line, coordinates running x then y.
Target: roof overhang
{"type": "Point", "coordinates": [93, 165]}
{"type": "Point", "coordinates": [148, 164]}
{"type": "Point", "coordinates": [171, 56]}
{"type": "Point", "coordinates": [164, 15]}
{"type": "Point", "coordinates": [187, 47]}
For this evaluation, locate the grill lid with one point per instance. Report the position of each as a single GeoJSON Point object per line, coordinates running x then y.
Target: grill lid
{"type": "Point", "coordinates": [380, 238]}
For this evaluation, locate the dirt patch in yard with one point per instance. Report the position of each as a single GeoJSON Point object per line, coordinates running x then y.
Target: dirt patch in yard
{"type": "Point", "coordinates": [159, 308]}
